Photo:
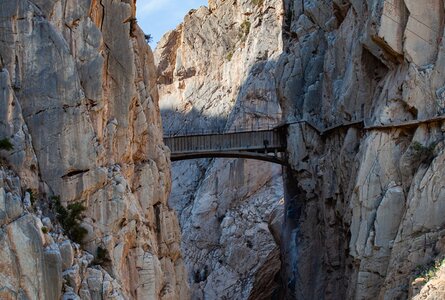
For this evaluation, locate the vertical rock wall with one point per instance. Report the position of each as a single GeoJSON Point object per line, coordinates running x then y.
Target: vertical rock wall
{"type": "Point", "coordinates": [364, 201]}
{"type": "Point", "coordinates": [80, 106]}
{"type": "Point", "coordinates": [368, 196]}
{"type": "Point", "coordinates": [216, 72]}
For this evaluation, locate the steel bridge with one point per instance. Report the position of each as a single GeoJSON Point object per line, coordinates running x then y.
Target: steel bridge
{"type": "Point", "coordinates": [266, 144]}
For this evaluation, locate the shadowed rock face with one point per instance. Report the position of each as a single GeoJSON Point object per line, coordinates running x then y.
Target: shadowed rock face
{"type": "Point", "coordinates": [80, 105]}
{"type": "Point", "coordinates": [362, 205]}
{"type": "Point", "coordinates": [368, 198]}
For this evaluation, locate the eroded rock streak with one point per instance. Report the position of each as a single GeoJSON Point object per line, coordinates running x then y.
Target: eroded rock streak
{"type": "Point", "coordinates": [79, 103]}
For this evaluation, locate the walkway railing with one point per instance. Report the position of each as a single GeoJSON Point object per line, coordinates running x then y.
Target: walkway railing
{"type": "Point", "coordinates": [262, 140]}
{"type": "Point", "coordinates": [259, 142]}
{"type": "Point", "coordinates": [264, 144]}
{"type": "Point", "coordinates": [233, 129]}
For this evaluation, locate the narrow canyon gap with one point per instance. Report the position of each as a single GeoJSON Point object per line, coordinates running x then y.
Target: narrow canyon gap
{"type": "Point", "coordinates": [91, 206]}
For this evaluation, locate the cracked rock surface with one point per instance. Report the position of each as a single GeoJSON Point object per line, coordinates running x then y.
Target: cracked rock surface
{"type": "Point", "coordinates": [80, 106]}
{"type": "Point", "coordinates": [354, 216]}
{"type": "Point", "coordinates": [364, 201]}
{"type": "Point", "coordinates": [215, 74]}
{"type": "Point", "coordinates": [368, 197]}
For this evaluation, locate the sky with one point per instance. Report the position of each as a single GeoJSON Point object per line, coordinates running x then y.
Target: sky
{"type": "Point", "coordinates": [156, 17]}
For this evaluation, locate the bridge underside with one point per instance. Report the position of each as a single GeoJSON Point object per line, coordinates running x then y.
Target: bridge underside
{"type": "Point", "coordinates": [230, 154]}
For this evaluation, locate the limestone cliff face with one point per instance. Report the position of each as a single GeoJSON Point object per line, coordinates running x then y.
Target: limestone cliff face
{"type": "Point", "coordinates": [362, 87]}
{"type": "Point", "coordinates": [79, 103]}
{"type": "Point", "coordinates": [369, 195]}
{"type": "Point", "coordinates": [216, 74]}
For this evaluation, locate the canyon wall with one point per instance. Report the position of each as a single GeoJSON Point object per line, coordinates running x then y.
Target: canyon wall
{"type": "Point", "coordinates": [358, 214]}
{"type": "Point", "coordinates": [79, 105]}
{"type": "Point", "coordinates": [370, 202]}
{"type": "Point", "coordinates": [361, 87]}
{"type": "Point", "coordinates": [215, 74]}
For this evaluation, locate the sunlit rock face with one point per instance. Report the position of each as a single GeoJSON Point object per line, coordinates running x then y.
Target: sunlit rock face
{"type": "Point", "coordinates": [364, 204]}
{"type": "Point", "coordinates": [80, 105]}
{"type": "Point", "coordinates": [216, 72]}
{"type": "Point", "coordinates": [38, 262]}
{"type": "Point", "coordinates": [430, 284]}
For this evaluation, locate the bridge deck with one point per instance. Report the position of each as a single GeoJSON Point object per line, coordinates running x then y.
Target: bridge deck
{"type": "Point", "coordinates": [227, 142]}
{"type": "Point", "coordinates": [256, 144]}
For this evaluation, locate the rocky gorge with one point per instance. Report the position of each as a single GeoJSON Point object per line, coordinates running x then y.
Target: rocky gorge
{"type": "Point", "coordinates": [359, 85]}
{"type": "Point", "coordinates": [91, 206]}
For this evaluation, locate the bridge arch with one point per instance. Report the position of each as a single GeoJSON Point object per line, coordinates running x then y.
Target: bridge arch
{"type": "Point", "coordinates": [233, 154]}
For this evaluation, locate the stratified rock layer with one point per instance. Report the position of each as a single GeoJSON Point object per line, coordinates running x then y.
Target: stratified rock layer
{"type": "Point", "coordinates": [79, 104]}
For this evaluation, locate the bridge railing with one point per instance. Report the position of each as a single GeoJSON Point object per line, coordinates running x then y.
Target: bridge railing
{"type": "Point", "coordinates": [233, 129]}
{"type": "Point", "coordinates": [262, 140]}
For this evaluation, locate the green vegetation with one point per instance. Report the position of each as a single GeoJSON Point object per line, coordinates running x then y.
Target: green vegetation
{"type": "Point", "coordinates": [229, 55]}
{"type": "Point", "coordinates": [70, 218]}
{"type": "Point", "coordinates": [424, 153]}
{"type": "Point", "coordinates": [32, 196]}
{"type": "Point", "coordinates": [257, 2]}
{"type": "Point", "coordinates": [44, 230]}
{"type": "Point", "coordinates": [102, 257]}
{"type": "Point", "coordinates": [244, 30]}
{"type": "Point", "coordinates": [101, 253]}
{"type": "Point", "coordinates": [5, 144]}
{"type": "Point", "coordinates": [148, 38]}
{"type": "Point", "coordinates": [429, 271]}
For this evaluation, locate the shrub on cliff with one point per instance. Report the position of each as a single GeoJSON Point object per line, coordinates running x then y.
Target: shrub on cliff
{"type": "Point", "coordinates": [424, 153]}
{"type": "Point", "coordinates": [429, 271]}
{"type": "Point", "coordinates": [70, 218]}
{"type": "Point", "coordinates": [148, 38]}
{"type": "Point", "coordinates": [229, 56]}
{"type": "Point", "coordinates": [102, 257]}
{"type": "Point", "coordinates": [244, 30]}
{"type": "Point", "coordinates": [32, 196]}
{"type": "Point", "coordinates": [5, 144]}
